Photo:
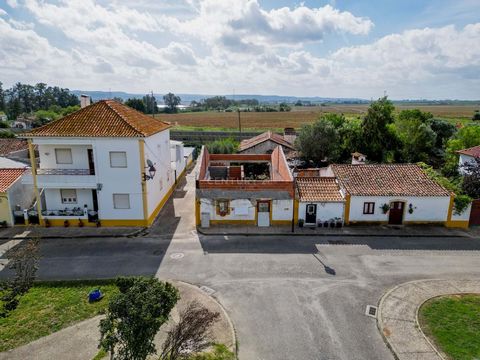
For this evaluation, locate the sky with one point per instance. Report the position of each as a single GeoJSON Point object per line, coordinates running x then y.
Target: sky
{"type": "Point", "coordinates": [410, 49]}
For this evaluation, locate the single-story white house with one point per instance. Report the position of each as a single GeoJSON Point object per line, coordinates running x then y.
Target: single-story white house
{"type": "Point", "coordinates": [467, 156]}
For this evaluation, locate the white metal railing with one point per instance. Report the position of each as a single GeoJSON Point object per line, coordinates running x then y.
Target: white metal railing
{"type": "Point", "coordinates": [65, 172]}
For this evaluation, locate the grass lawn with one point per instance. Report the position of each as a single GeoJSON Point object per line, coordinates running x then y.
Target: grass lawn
{"type": "Point", "coordinates": [453, 322]}
{"type": "Point", "coordinates": [49, 307]}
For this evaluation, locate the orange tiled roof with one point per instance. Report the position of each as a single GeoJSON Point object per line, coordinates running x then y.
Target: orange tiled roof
{"type": "Point", "coordinates": [8, 177]}
{"type": "Point", "coordinates": [106, 118]}
{"type": "Point", "coordinates": [387, 180]}
{"type": "Point", "coordinates": [318, 189]}
{"type": "Point", "coordinates": [248, 143]}
{"type": "Point", "coordinates": [7, 146]}
{"type": "Point", "coordinates": [473, 151]}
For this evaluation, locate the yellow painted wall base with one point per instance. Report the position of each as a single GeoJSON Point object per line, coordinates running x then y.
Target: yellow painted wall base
{"type": "Point", "coordinates": [462, 224]}
{"type": "Point", "coordinates": [281, 222]}
{"type": "Point", "coordinates": [233, 222]}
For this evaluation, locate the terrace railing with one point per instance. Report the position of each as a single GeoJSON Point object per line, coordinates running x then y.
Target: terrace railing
{"type": "Point", "coordinates": [65, 172]}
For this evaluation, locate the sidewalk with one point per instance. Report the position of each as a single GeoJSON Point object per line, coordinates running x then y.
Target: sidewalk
{"type": "Point", "coordinates": [397, 317]}
{"type": "Point", "coordinates": [28, 232]}
{"type": "Point", "coordinates": [354, 230]}
{"type": "Point", "coordinates": [80, 341]}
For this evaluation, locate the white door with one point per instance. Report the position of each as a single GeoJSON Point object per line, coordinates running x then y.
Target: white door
{"type": "Point", "coordinates": [263, 212]}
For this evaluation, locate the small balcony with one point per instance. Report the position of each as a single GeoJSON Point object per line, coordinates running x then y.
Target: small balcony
{"type": "Point", "coordinates": [80, 172]}
{"type": "Point", "coordinates": [60, 178]}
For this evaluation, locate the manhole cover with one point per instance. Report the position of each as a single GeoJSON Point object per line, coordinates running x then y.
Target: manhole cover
{"type": "Point", "coordinates": [207, 290]}
{"type": "Point", "coordinates": [177, 255]}
{"type": "Point", "coordinates": [371, 311]}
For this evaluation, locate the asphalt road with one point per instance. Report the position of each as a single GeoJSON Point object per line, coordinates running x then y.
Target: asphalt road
{"type": "Point", "coordinates": [289, 298]}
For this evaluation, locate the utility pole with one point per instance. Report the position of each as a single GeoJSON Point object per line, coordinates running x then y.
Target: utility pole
{"type": "Point", "coordinates": [239, 121]}
{"type": "Point", "coordinates": [153, 105]}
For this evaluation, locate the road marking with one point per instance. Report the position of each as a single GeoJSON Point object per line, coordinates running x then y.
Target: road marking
{"type": "Point", "coordinates": [22, 235]}
{"type": "Point", "coordinates": [4, 248]}
{"type": "Point", "coordinates": [177, 256]}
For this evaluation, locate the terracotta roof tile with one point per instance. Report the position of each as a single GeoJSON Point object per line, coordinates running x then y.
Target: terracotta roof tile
{"type": "Point", "coordinates": [473, 151]}
{"type": "Point", "coordinates": [318, 189]}
{"type": "Point", "coordinates": [249, 143]}
{"type": "Point", "coordinates": [8, 177]}
{"type": "Point", "coordinates": [106, 118]}
{"type": "Point", "coordinates": [387, 180]}
{"type": "Point", "coordinates": [7, 146]}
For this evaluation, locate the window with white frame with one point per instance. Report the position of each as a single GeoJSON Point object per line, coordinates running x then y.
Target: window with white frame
{"type": "Point", "coordinates": [63, 156]}
{"type": "Point", "coordinates": [118, 159]}
{"type": "Point", "coordinates": [121, 201]}
{"type": "Point", "coordinates": [69, 196]}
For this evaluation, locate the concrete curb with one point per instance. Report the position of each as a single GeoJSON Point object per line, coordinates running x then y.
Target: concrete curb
{"type": "Point", "coordinates": [334, 234]}
{"type": "Point", "coordinates": [135, 233]}
{"type": "Point", "coordinates": [392, 345]}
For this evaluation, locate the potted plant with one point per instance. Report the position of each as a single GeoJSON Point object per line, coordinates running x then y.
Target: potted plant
{"type": "Point", "coordinates": [66, 223]}
{"type": "Point", "coordinates": [385, 208]}
{"type": "Point", "coordinates": [97, 223]}
{"type": "Point", "coordinates": [301, 222]}
{"type": "Point", "coordinates": [47, 223]}
{"type": "Point", "coordinates": [80, 223]}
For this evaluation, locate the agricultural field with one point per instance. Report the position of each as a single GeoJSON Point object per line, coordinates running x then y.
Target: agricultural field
{"type": "Point", "coordinates": [298, 116]}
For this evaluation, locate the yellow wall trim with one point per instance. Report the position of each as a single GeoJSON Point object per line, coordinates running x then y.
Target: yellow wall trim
{"type": "Point", "coordinates": [346, 215]}
{"type": "Point", "coordinates": [141, 144]}
{"type": "Point", "coordinates": [197, 212]}
{"type": "Point", "coordinates": [281, 222]}
{"type": "Point", "coordinates": [233, 222]}
{"type": "Point", "coordinates": [463, 224]}
{"type": "Point", "coordinates": [295, 211]}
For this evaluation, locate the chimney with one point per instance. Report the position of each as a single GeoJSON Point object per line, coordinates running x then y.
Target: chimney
{"type": "Point", "coordinates": [84, 100]}
{"type": "Point", "coordinates": [358, 158]}
{"type": "Point", "coordinates": [289, 134]}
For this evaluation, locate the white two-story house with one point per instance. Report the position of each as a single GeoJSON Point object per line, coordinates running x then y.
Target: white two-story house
{"type": "Point", "coordinates": [106, 164]}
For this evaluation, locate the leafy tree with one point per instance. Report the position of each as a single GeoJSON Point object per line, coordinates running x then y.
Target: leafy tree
{"type": "Point", "coordinates": [70, 109]}
{"type": "Point", "coordinates": [2, 97]}
{"type": "Point", "coordinates": [223, 146]}
{"type": "Point", "coordinates": [444, 131]}
{"type": "Point", "coordinates": [379, 139]}
{"type": "Point", "coordinates": [172, 101]}
{"type": "Point", "coordinates": [284, 107]}
{"type": "Point", "coordinates": [318, 142]}
{"type": "Point", "coordinates": [136, 104]}
{"type": "Point", "coordinates": [416, 135]}
{"type": "Point", "coordinates": [350, 134]}
{"type": "Point", "coordinates": [13, 108]}
{"type": "Point", "coordinates": [476, 116]}
{"type": "Point", "coordinates": [7, 134]}
{"type": "Point", "coordinates": [471, 180]}
{"type": "Point", "coordinates": [45, 116]}
{"type": "Point", "coordinates": [150, 104]}
{"type": "Point", "coordinates": [135, 315]}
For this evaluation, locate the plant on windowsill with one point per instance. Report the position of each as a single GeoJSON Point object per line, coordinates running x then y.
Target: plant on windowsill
{"type": "Point", "coordinates": [385, 208]}
{"type": "Point", "coordinates": [301, 222]}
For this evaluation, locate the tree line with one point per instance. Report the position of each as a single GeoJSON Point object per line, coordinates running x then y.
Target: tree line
{"type": "Point", "coordinates": [26, 98]}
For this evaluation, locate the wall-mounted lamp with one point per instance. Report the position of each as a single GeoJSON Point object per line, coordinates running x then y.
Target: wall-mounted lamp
{"type": "Point", "coordinates": [151, 171]}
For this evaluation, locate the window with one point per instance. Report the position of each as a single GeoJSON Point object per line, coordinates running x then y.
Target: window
{"type": "Point", "coordinates": [121, 201]}
{"type": "Point", "coordinates": [368, 208]}
{"type": "Point", "coordinates": [118, 159]}
{"type": "Point", "coordinates": [69, 196]}
{"type": "Point", "coordinates": [223, 207]}
{"type": "Point", "coordinates": [63, 156]}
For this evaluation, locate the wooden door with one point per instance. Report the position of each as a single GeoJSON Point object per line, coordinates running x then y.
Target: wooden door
{"type": "Point", "coordinates": [396, 213]}
{"type": "Point", "coordinates": [475, 213]}
{"type": "Point", "coordinates": [311, 214]}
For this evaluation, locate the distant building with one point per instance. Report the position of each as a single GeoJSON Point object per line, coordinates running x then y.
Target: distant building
{"type": "Point", "coordinates": [16, 149]}
{"type": "Point", "coordinates": [467, 156]}
{"type": "Point", "coordinates": [265, 143]}
{"type": "Point", "coordinates": [24, 122]}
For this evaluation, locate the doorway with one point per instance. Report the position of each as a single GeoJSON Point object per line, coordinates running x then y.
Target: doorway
{"type": "Point", "coordinates": [311, 214]}
{"type": "Point", "coordinates": [91, 162]}
{"type": "Point", "coordinates": [395, 216]}
{"type": "Point", "coordinates": [263, 213]}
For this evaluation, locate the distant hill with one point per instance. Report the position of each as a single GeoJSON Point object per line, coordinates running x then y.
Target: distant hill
{"type": "Point", "coordinates": [270, 99]}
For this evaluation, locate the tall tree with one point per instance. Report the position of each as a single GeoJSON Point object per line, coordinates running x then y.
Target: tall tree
{"type": "Point", "coordinates": [2, 97]}
{"type": "Point", "coordinates": [172, 101]}
{"type": "Point", "coordinates": [471, 181]}
{"type": "Point", "coordinates": [134, 317]}
{"type": "Point", "coordinates": [136, 104]}
{"type": "Point", "coordinates": [150, 104]}
{"type": "Point", "coordinates": [378, 138]}
{"type": "Point", "coordinates": [318, 142]}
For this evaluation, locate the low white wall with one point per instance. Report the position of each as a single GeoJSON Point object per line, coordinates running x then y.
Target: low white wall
{"type": "Point", "coordinates": [53, 199]}
{"type": "Point", "coordinates": [464, 216]}
{"type": "Point", "coordinates": [282, 210]}
{"type": "Point", "coordinates": [325, 210]}
{"type": "Point", "coordinates": [425, 209]}
{"type": "Point", "coordinates": [209, 206]}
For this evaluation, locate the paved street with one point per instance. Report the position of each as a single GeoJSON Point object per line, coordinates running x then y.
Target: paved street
{"type": "Point", "coordinates": [289, 297]}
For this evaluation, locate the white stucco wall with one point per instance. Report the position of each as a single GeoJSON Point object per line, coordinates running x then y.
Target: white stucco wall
{"type": "Point", "coordinates": [53, 199]}
{"type": "Point", "coordinates": [462, 160]}
{"type": "Point", "coordinates": [209, 206]}
{"type": "Point", "coordinates": [325, 210]}
{"type": "Point", "coordinates": [425, 209]}
{"type": "Point", "coordinates": [464, 216]}
{"type": "Point", "coordinates": [157, 149]}
{"type": "Point", "coordinates": [20, 194]}
{"type": "Point", "coordinates": [282, 210]}
{"type": "Point", "coordinates": [48, 159]}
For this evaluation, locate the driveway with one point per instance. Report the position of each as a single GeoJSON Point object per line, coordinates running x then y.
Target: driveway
{"type": "Point", "coordinates": [289, 297]}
